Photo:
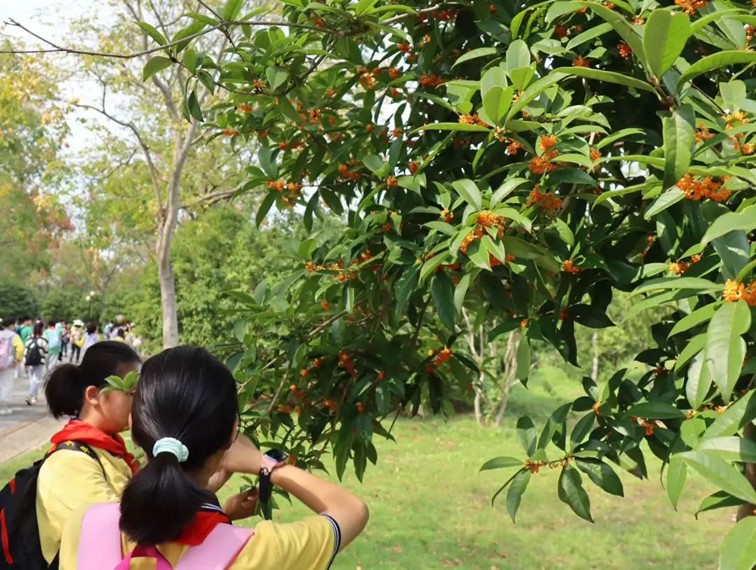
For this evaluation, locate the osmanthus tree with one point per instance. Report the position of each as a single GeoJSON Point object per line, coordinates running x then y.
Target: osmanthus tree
{"type": "Point", "coordinates": [521, 162]}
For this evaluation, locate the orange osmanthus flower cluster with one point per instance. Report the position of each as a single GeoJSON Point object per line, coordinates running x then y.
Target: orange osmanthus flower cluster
{"type": "Point", "coordinates": [471, 120]}
{"type": "Point", "coordinates": [350, 174]}
{"type": "Point", "coordinates": [680, 267]}
{"type": "Point", "coordinates": [703, 134]}
{"type": "Point", "coordinates": [430, 80]}
{"type": "Point", "coordinates": [548, 141]}
{"type": "Point", "coordinates": [734, 292]}
{"type": "Point", "coordinates": [486, 219]}
{"type": "Point", "coordinates": [691, 6]}
{"type": "Point", "coordinates": [580, 61]}
{"type": "Point", "coordinates": [292, 189]}
{"type": "Point", "coordinates": [705, 188]}
{"type": "Point", "coordinates": [535, 466]}
{"type": "Point", "coordinates": [546, 200]}
{"type": "Point", "coordinates": [570, 267]}
{"type": "Point", "coordinates": [624, 50]}
{"type": "Point", "coordinates": [543, 164]}
{"type": "Point", "coordinates": [438, 360]}
{"type": "Point", "coordinates": [347, 363]}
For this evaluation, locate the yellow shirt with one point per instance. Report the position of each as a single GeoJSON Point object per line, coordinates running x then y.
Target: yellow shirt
{"type": "Point", "coordinates": [309, 544]}
{"type": "Point", "coordinates": [69, 480]}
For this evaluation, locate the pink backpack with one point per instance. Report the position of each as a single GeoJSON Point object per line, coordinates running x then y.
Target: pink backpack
{"type": "Point", "coordinates": [7, 350]}
{"type": "Point", "coordinates": [100, 545]}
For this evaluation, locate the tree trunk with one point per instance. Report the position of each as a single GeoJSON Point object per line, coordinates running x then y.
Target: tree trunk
{"type": "Point", "coordinates": [595, 346]}
{"type": "Point", "coordinates": [510, 375]}
{"type": "Point", "coordinates": [167, 295]}
{"type": "Point", "coordinates": [749, 510]}
{"type": "Point", "coordinates": [476, 404]}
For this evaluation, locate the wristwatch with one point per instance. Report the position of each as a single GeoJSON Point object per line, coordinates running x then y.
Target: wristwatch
{"type": "Point", "coordinates": [271, 460]}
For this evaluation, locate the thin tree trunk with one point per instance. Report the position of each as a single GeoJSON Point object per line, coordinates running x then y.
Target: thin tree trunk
{"type": "Point", "coordinates": [749, 510]}
{"type": "Point", "coordinates": [476, 404]}
{"type": "Point", "coordinates": [510, 360]}
{"type": "Point", "coordinates": [596, 355]}
{"type": "Point", "coordinates": [167, 296]}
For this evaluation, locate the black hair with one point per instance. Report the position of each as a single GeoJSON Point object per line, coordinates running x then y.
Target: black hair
{"type": "Point", "coordinates": [66, 385]}
{"type": "Point", "coordinates": [91, 328]}
{"type": "Point", "coordinates": [38, 328]}
{"type": "Point", "coordinates": [187, 394]}
{"type": "Point", "coordinates": [50, 324]}
{"type": "Point", "coordinates": [120, 333]}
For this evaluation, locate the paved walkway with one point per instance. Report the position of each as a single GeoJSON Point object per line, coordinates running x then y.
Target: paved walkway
{"type": "Point", "coordinates": [28, 427]}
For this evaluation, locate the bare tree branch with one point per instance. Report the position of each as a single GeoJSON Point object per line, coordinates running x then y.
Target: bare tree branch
{"type": "Point", "coordinates": [55, 48]}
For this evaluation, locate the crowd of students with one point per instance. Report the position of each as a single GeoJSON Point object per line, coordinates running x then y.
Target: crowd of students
{"type": "Point", "coordinates": [96, 508]}
{"type": "Point", "coordinates": [32, 348]}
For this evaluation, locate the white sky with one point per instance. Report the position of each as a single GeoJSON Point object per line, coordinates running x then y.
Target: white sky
{"type": "Point", "coordinates": [49, 18]}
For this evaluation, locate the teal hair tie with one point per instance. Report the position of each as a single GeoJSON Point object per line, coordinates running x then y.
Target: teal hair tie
{"type": "Point", "coordinates": [172, 446]}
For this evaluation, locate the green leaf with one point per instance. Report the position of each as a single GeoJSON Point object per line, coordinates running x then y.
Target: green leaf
{"type": "Point", "coordinates": [496, 102]}
{"type": "Point", "coordinates": [264, 208]}
{"type": "Point", "coordinates": [677, 473]}
{"type": "Point", "coordinates": [601, 475]}
{"type": "Point", "coordinates": [192, 104]}
{"type": "Point", "coordinates": [674, 283]}
{"type": "Point", "coordinates": [730, 222]}
{"type": "Point", "coordinates": [405, 286]}
{"type": "Point", "coordinates": [156, 64]}
{"type": "Point", "coordinates": [655, 411]}
{"type": "Point", "coordinates": [474, 54]}
{"type": "Point", "coordinates": [697, 317]}
{"type": "Point", "coordinates": [523, 358]}
{"type": "Point", "coordinates": [442, 291]}
{"type": "Point", "coordinates": [664, 38]}
{"type": "Point", "coordinates": [526, 435]}
{"type": "Point", "coordinates": [738, 551]}
{"type": "Point", "coordinates": [232, 8]}
{"type": "Point", "coordinates": [719, 60]}
{"type": "Point", "coordinates": [730, 448]}
{"type": "Point", "coordinates": [452, 127]}
{"type": "Point", "coordinates": [501, 463]}
{"type": "Point", "coordinates": [698, 382]}
{"type": "Point", "coordinates": [516, 490]}
{"type": "Point", "coordinates": [721, 474]}
{"type": "Point", "coordinates": [734, 418]}
{"type": "Point", "coordinates": [606, 77]}
{"type": "Point", "coordinates": [667, 199]}
{"type": "Point", "coordinates": [718, 500]}
{"type": "Point", "coordinates": [151, 31]}
{"type": "Point", "coordinates": [679, 143]}
{"type": "Point", "coordinates": [469, 192]}
{"type": "Point", "coordinates": [277, 76]}
{"type": "Point", "coordinates": [725, 349]}
{"type": "Point", "coordinates": [518, 56]}
{"type": "Point", "coordinates": [582, 429]}
{"type": "Point", "coordinates": [572, 493]}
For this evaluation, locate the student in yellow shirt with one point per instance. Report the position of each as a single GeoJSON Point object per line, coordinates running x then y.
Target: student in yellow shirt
{"type": "Point", "coordinates": [68, 478]}
{"type": "Point", "coordinates": [186, 419]}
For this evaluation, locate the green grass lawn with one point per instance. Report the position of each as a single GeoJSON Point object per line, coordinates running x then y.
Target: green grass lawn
{"type": "Point", "coordinates": [431, 508]}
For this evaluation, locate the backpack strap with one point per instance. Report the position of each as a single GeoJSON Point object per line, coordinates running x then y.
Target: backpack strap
{"type": "Point", "coordinates": [219, 549]}
{"type": "Point", "coordinates": [100, 538]}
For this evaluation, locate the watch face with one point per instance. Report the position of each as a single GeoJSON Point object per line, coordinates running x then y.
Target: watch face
{"type": "Point", "coordinates": [277, 455]}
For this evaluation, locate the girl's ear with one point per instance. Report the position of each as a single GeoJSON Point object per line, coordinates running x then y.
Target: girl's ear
{"type": "Point", "coordinates": [91, 395]}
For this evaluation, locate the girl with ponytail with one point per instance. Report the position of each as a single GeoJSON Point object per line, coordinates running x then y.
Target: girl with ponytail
{"type": "Point", "coordinates": [69, 478]}
{"type": "Point", "coordinates": [185, 418]}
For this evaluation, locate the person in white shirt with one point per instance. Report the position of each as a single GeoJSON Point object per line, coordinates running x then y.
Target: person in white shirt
{"type": "Point", "coordinates": [35, 357]}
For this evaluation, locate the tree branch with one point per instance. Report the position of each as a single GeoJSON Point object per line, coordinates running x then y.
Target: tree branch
{"type": "Point", "coordinates": [55, 48]}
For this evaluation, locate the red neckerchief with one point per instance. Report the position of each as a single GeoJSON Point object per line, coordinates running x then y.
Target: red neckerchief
{"type": "Point", "coordinates": [203, 524]}
{"type": "Point", "coordinates": [77, 430]}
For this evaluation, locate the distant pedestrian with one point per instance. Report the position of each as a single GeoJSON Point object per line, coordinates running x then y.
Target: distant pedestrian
{"type": "Point", "coordinates": [11, 355]}
{"type": "Point", "coordinates": [35, 356]}
{"type": "Point", "coordinates": [92, 336]}
{"type": "Point", "coordinates": [53, 344]}
{"type": "Point", "coordinates": [65, 340]}
{"type": "Point", "coordinates": [77, 340]}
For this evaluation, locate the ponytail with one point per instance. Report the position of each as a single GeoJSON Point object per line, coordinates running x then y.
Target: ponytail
{"type": "Point", "coordinates": [184, 394]}
{"type": "Point", "coordinates": [66, 384]}
{"type": "Point", "coordinates": [159, 502]}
